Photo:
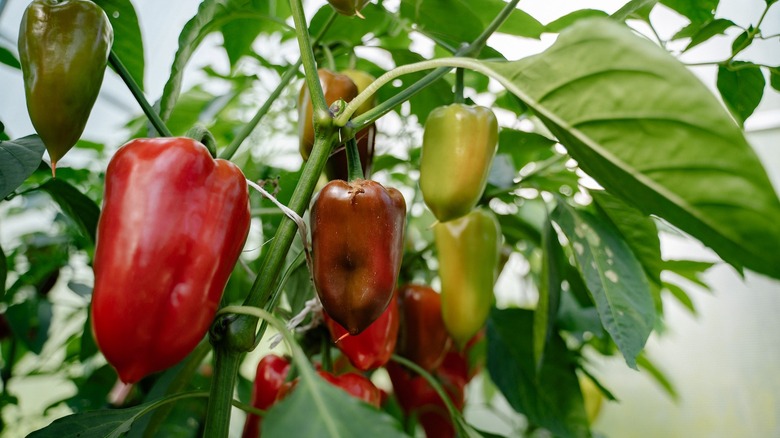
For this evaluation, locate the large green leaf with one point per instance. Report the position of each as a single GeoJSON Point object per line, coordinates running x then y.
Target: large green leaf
{"type": "Point", "coordinates": [18, 160]}
{"type": "Point", "coordinates": [614, 277]}
{"type": "Point", "coordinates": [251, 18]}
{"type": "Point", "coordinates": [8, 58]}
{"type": "Point", "coordinates": [648, 131]}
{"type": "Point", "coordinates": [550, 396]}
{"type": "Point", "coordinates": [75, 204]}
{"type": "Point", "coordinates": [567, 20]}
{"type": "Point", "coordinates": [635, 9]}
{"type": "Point", "coordinates": [351, 30]}
{"type": "Point", "coordinates": [549, 291]}
{"type": "Point", "coordinates": [128, 45]}
{"type": "Point", "coordinates": [329, 412]}
{"type": "Point", "coordinates": [698, 11]}
{"type": "Point", "coordinates": [742, 86]}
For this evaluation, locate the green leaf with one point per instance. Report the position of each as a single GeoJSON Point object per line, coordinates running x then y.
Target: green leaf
{"type": "Point", "coordinates": [635, 9]}
{"type": "Point", "coordinates": [18, 160]}
{"type": "Point", "coordinates": [658, 375]}
{"type": "Point", "coordinates": [524, 147]}
{"type": "Point", "coordinates": [637, 229]}
{"type": "Point", "coordinates": [691, 270]}
{"type": "Point", "coordinates": [102, 423]}
{"type": "Point", "coordinates": [190, 38]}
{"type": "Point", "coordinates": [248, 19]}
{"type": "Point", "coordinates": [88, 345]}
{"type": "Point", "coordinates": [93, 390]}
{"type": "Point", "coordinates": [549, 291]}
{"type": "Point", "coordinates": [650, 132]}
{"type": "Point", "coordinates": [549, 397]}
{"type": "Point", "coordinates": [742, 41]}
{"type": "Point", "coordinates": [741, 84]}
{"type": "Point", "coordinates": [76, 205]}
{"type": "Point", "coordinates": [329, 412]}
{"type": "Point", "coordinates": [717, 26]}
{"type": "Point", "coordinates": [698, 11]}
{"type": "Point", "coordinates": [351, 30]}
{"type": "Point", "coordinates": [774, 77]}
{"type": "Point", "coordinates": [30, 321]}
{"type": "Point", "coordinates": [681, 296]}
{"type": "Point", "coordinates": [8, 58]}
{"type": "Point", "coordinates": [614, 278]}
{"type": "Point", "coordinates": [128, 44]}
{"type": "Point", "coordinates": [567, 20]}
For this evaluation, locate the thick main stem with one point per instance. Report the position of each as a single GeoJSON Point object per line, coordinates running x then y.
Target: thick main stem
{"type": "Point", "coordinates": [221, 393]}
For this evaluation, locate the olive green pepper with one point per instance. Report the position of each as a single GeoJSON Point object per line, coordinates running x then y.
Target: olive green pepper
{"type": "Point", "coordinates": [63, 49]}
{"type": "Point", "coordinates": [348, 7]}
{"type": "Point", "coordinates": [459, 144]}
{"type": "Point", "coordinates": [468, 250]}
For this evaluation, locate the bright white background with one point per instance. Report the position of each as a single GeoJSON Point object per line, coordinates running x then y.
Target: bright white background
{"type": "Point", "coordinates": [723, 362]}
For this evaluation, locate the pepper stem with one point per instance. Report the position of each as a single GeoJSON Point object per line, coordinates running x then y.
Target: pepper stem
{"type": "Point", "coordinates": [459, 85]}
{"type": "Point", "coordinates": [354, 168]}
{"type": "Point", "coordinates": [203, 135]}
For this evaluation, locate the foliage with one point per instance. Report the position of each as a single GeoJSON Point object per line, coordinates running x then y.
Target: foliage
{"type": "Point", "coordinates": [618, 142]}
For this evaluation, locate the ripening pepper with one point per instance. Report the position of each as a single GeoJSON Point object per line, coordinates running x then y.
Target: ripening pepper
{"type": "Point", "coordinates": [459, 143]}
{"type": "Point", "coordinates": [373, 347]}
{"type": "Point", "coordinates": [336, 167]}
{"type": "Point", "coordinates": [334, 86]}
{"type": "Point", "coordinates": [357, 231]}
{"type": "Point", "coordinates": [271, 374]}
{"type": "Point", "coordinates": [468, 251]}
{"type": "Point", "coordinates": [173, 224]}
{"type": "Point", "coordinates": [348, 7]}
{"type": "Point", "coordinates": [422, 338]}
{"type": "Point", "coordinates": [63, 50]}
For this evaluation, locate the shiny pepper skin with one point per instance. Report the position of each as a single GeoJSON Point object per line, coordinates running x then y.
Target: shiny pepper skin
{"type": "Point", "coordinates": [270, 376]}
{"type": "Point", "coordinates": [468, 251]}
{"type": "Point", "coordinates": [173, 224]}
{"type": "Point", "coordinates": [63, 50]}
{"type": "Point", "coordinates": [373, 347]}
{"type": "Point", "coordinates": [423, 339]}
{"type": "Point", "coordinates": [357, 233]}
{"type": "Point", "coordinates": [459, 143]}
{"type": "Point", "coordinates": [348, 7]}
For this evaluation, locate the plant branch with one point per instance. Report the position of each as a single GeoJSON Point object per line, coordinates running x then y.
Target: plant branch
{"type": "Point", "coordinates": [309, 64]}
{"type": "Point", "coordinates": [288, 75]}
{"type": "Point", "coordinates": [370, 116]}
{"type": "Point", "coordinates": [221, 392]}
{"type": "Point", "coordinates": [151, 114]}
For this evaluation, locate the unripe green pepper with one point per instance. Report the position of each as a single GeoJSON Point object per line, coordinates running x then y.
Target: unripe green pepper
{"type": "Point", "coordinates": [63, 49]}
{"type": "Point", "coordinates": [468, 250]}
{"type": "Point", "coordinates": [348, 7]}
{"type": "Point", "coordinates": [459, 144]}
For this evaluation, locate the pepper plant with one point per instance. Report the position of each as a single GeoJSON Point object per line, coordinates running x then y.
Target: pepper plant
{"type": "Point", "coordinates": [598, 144]}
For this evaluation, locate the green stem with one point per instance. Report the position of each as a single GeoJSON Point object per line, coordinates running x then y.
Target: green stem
{"type": "Point", "coordinates": [151, 114]}
{"type": "Point", "coordinates": [309, 65]}
{"type": "Point", "coordinates": [221, 393]}
{"type": "Point", "coordinates": [330, 61]}
{"type": "Point", "coordinates": [288, 75]}
{"type": "Point", "coordinates": [434, 384]}
{"type": "Point", "coordinates": [459, 85]}
{"type": "Point", "coordinates": [474, 48]}
{"type": "Point", "coordinates": [203, 135]}
{"type": "Point", "coordinates": [751, 34]}
{"type": "Point", "coordinates": [354, 168]}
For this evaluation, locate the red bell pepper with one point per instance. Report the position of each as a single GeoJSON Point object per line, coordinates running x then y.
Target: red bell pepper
{"type": "Point", "coordinates": [357, 231]}
{"type": "Point", "coordinates": [173, 224]}
{"type": "Point", "coordinates": [423, 339]}
{"type": "Point", "coordinates": [373, 347]}
{"type": "Point", "coordinates": [270, 376]}
{"type": "Point", "coordinates": [354, 384]}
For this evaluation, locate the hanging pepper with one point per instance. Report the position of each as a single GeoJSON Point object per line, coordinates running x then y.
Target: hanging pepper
{"type": "Point", "coordinates": [459, 143]}
{"type": "Point", "coordinates": [423, 339]}
{"type": "Point", "coordinates": [468, 251]}
{"type": "Point", "coordinates": [271, 374]}
{"type": "Point", "coordinates": [336, 167]}
{"type": "Point", "coordinates": [373, 347]}
{"type": "Point", "coordinates": [173, 224]}
{"type": "Point", "coordinates": [63, 50]}
{"type": "Point", "coordinates": [357, 233]}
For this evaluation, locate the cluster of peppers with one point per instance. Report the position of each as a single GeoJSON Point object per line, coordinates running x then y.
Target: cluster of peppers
{"type": "Point", "coordinates": [357, 231]}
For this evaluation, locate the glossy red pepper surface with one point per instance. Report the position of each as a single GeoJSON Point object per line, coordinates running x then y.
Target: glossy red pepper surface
{"type": "Point", "coordinates": [357, 240]}
{"type": "Point", "coordinates": [173, 224]}
{"type": "Point", "coordinates": [373, 347]}
{"type": "Point", "coordinates": [270, 376]}
{"type": "Point", "coordinates": [423, 338]}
